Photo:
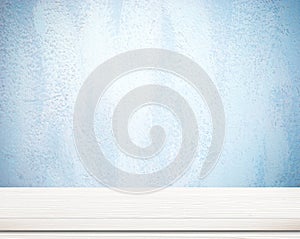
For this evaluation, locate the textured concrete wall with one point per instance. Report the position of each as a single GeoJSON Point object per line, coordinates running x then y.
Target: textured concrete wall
{"type": "Point", "coordinates": [250, 50]}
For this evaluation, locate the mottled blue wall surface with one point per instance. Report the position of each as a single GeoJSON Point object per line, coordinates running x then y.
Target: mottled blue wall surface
{"type": "Point", "coordinates": [250, 50]}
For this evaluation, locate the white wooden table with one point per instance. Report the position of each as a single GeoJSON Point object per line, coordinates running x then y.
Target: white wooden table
{"type": "Point", "coordinates": [170, 213]}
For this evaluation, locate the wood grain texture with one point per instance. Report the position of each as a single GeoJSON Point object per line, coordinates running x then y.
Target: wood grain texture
{"type": "Point", "coordinates": [172, 209]}
{"type": "Point", "coordinates": [168, 235]}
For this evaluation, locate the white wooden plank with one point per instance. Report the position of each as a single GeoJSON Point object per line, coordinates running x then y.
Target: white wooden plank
{"type": "Point", "coordinates": [149, 224]}
{"type": "Point", "coordinates": [153, 235]}
{"type": "Point", "coordinates": [169, 209]}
